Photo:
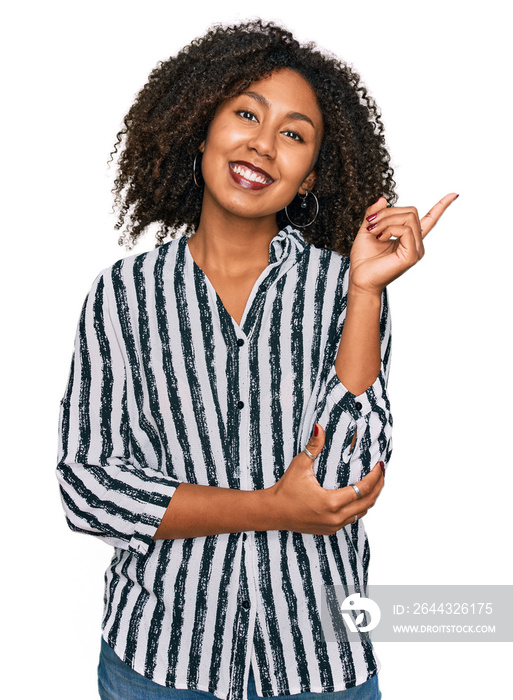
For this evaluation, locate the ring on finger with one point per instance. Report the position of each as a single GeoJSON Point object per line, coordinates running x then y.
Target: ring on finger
{"type": "Point", "coordinates": [308, 453]}
{"type": "Point", "coordinates": [357, 490]}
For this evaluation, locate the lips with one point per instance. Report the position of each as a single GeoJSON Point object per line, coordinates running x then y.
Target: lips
{"type": "Point", "coordinates": [249, 176]}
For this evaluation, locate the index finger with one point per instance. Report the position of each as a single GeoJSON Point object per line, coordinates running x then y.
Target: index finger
{"type": "Point", "coordinates": [431, 218]}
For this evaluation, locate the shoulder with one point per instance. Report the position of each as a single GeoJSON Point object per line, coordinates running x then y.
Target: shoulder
{"type": "Point", "coordinates": [127, 280]}
{"type": "Point", "coordinates": [140, 263]}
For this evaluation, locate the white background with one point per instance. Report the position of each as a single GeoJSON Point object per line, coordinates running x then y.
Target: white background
{"type": "Point", "coordinates": [441, 75]}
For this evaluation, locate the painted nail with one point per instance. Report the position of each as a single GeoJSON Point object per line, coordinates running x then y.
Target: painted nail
{"type": "Point", "coordinates": [371, 218]}
{"type": "Point", "coordinates": [381, 464]}
{"type": "Point", "coordinates": [316, 430]}
{"type": "Point", "coordinates": [369, 228]}
{"type": "Point", "coordinates": [377, 200]}
{"type": "Point", "coordinates": [379, 235]}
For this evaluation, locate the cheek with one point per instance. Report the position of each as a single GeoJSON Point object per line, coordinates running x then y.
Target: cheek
{"type": "Point", "coordinates": [219, 145]}
{"type": "Point", "coordinates": [298, 167]}
{"type": "Point", "coordinates": [221, 137]}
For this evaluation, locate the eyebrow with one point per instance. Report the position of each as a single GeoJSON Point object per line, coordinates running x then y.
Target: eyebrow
{"type": "Point", "coordinates": [291, 115]}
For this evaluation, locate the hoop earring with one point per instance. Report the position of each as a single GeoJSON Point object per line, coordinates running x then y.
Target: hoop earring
{"type": "Point", "coordinates": [303, 206]}
{"type": "Point", "coordinates": [194, 170]}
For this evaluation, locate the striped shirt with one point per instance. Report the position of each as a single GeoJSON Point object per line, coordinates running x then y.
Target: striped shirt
{"type": "Point", "coordinates": [166, 388]}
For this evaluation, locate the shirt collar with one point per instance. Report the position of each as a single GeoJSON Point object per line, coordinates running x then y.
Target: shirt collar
{"type": "Point", "coordinates": [288, 243]}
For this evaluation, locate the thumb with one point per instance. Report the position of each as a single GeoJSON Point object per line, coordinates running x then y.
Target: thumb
{"type": "Point", "coordinates": [316, 442]}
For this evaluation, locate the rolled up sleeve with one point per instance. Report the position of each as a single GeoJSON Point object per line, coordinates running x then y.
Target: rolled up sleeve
{"type": "Point", "coordinates": [342, 414]}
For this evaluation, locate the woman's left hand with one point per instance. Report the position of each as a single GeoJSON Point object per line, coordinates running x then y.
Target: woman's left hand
{"type": "Point", "coordinates": [389, 242]}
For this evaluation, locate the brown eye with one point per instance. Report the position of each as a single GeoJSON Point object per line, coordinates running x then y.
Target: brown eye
{"type": "Point", "coordinates": [246, 115]}
{"type": "Point", "coordinates": [294, 135]}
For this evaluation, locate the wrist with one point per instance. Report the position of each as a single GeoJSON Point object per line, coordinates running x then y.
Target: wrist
{"type": "Point", "coordinates": [268, 508]}
{"type": "Point", "coordinates": [370, 293]}
{"type": "Point", "coordinates": [364, 303]}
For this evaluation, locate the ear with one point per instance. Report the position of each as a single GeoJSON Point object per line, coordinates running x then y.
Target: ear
{"type": "Point", "coordinates": [308, 183]}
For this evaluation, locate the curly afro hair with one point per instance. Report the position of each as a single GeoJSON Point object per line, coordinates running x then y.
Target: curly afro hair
{"type": "Point", "coordinates": [171, 114]}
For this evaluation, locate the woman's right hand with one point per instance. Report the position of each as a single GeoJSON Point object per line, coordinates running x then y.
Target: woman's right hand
{"type": "Point", "coordinates": [300, 504]}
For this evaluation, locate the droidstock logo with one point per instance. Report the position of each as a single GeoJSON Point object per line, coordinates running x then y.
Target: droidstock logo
{"type": "Point", "coordinates": [355, 602]}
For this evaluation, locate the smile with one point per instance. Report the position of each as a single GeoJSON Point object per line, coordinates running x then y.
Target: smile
{"type": "Point", "coordinates": [250, 177]}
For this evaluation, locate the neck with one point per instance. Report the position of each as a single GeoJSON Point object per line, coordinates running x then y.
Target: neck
{"type": "Point", "coordinates": [232, 245]}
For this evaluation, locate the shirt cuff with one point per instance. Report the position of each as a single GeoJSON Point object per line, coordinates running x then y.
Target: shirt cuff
{"type": "Point", "coordinates": [149, 523]}
{"type": "Point", "coordinates": [358, 406]}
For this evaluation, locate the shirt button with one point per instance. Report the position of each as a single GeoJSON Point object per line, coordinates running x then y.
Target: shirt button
{"type": "Point", "coordinates": [358, 406]}
{"type": "Point", "coordinates": [240, 404]}
{"type": "Point", "coordinates": [240, 342]}
{"type": "Point", "coordinates": [246, 604]}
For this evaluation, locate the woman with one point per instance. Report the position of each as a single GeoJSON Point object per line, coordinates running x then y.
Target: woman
{"type": "Point", "coordinates": [203, 368]}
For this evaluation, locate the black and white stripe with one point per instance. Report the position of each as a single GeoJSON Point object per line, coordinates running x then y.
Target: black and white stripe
{"type": "Point", "coordinates": [164, 387]}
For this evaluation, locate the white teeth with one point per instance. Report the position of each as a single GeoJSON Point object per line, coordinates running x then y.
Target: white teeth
{"type": "Point", "coordinates": [249, 174]}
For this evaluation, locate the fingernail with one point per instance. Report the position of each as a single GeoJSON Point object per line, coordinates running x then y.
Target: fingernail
{"type": "Point", "coordinates": [369, 228]}
{"type": "Point", "coordinates": [455, 198]}
{"type": "Point", "coordinates": [371, 218]}
{"type": "Point", "coordinates": [382, 465]}
{"type": "Point", "coordinates": [379, 235]}
{"type": "Point", "coordinates": [377, 200]}
{"type": "Point", "coordinates": [316, 430]}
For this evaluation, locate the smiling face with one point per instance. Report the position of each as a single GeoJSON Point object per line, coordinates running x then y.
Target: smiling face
{"type": "Point", "coordinates": [261, 147]}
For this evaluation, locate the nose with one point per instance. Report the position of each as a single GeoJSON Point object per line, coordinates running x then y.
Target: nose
{"type": "Point", "coordinates": [263, 141]}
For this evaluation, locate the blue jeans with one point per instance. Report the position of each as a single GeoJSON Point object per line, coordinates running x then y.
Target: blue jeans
{"type": "Point", "coordinates": [117, 681]}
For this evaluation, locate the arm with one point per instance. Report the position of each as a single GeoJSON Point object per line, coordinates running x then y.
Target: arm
{"type": "Point", "coordinates": [358, 361]}
{"type": "Point", "coordinates": [197, 511]}
{"type": "Point", "coordinates": [105, 491]}
{"type": "Point", "coordinates": [296, 502]}
{"type": "Point", "coordinates": [358, 423]}
{"type": "Point", "coordinates": [389, 242]}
